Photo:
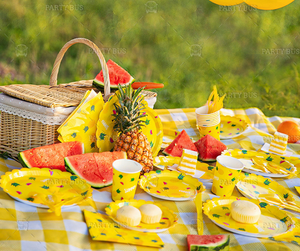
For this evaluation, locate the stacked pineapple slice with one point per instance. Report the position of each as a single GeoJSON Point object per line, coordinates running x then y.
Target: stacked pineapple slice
{"type": "Point", "coordinates": [128, 123]}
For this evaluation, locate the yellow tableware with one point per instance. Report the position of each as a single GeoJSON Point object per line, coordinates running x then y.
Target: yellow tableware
{"type": "Point", "coordinates": [126, 174]}
{"type": "Point", "coordinates": [272, 221]}
{"type": "Point", "coordinates": [262, 163]}
{"type": "Point", "coordinates": [103, 228]}
{"type": "Point", "coordinates": [81, 125]}
{"type": "Point", "coordinates": [208, 123]}
{"type": "Point", "coordinates": [231, 127]}
{"type": "Point", "coordinates": [45, 188]}
{"type": "Point", "coordinates": [168, 219]}
{"type": "Point", "coordinates": [268, 190]}
{"type": "Point", "coordinates": [106, 135]}
{"type": "Point", "coordinates": [171, 185]}
{"type": "Point", "coordinates": [226, 175]}
{"type": "Point", "coordinates": [198, 203]}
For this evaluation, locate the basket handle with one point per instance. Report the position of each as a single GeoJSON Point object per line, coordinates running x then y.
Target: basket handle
{"type": "Point", "coordinates": [60, 55]}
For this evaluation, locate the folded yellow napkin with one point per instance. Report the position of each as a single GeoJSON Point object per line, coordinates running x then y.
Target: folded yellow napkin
{"type": "Point", "coordinates": [103, 228]}
{"type": "Point", "coordinates": [81, 125]}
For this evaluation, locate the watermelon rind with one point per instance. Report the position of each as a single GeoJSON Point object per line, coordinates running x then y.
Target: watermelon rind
{"type": "Point", "coordinates": [220, 245]}
{"type": "Point", "coordinates": [23, 160]}
{"type": "Point", "coordinates": [100, 86]}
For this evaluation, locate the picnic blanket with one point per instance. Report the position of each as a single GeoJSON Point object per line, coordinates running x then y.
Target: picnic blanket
{"type": "Point", "coordinates": [24, 227]}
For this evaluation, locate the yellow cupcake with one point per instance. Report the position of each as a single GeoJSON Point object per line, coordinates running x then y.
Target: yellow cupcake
{"type": "Point", "coordinates": [245, 211]}
{"type": "Point", "coordinates": [129, 215]}
{"type": "Point", "coordinates": [150, 213]}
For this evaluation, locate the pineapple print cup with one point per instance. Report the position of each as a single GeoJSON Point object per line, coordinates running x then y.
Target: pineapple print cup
{"type": "Point", "coordinates": [208, 123]}
{"type": "Point", "coordinates": [126, 174]}
{"type": "Point", "coordinates": [227, 172]}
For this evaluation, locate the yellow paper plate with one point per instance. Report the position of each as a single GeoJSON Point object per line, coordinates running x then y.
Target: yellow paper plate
{"type": "Point", "coordinates": [231, 127]}
{"type": "Point", "coordinates": [253, 185]}
{"type": "Point", "coordinates": [33, 186]}
{"type": "Point", "coordinates": [168, 219]}
{"type": "Point", "coordinates": [106, 136]}
{"type": "Point", "coordinates": [170, 185]}
{"type": "Point", "coordinates": [246, 155]}
{"type": "Point", "coordinates": [272, 221]}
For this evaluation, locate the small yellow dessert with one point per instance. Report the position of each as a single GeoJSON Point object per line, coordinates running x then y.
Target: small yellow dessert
{"type": "Point", "coordinates": [150, 213]}
{"type": "Point", "coordinates": [245, 211]}
{"type": "Point", "coordinates": [129, 215]}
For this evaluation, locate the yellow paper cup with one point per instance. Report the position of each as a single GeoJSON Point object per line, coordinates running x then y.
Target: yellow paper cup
{"type": "Point", "coordinates": [227, 172]}
{"type": "Point", "coordinates": [208, 123]}
{"type": "Point", "coordinates": [126, 174]}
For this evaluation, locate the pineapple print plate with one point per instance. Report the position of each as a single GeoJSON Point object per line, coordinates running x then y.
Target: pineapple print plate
{"type": "Point", "coordinates": [272, 221]}
{"type": "Point", "coordinates": [231, 127]}
{"type": "Point", "coordinates": [45, 188]}
{"type": "Point", "coordinates": [170, 185]}
{"type": "Point", "coordinates": [267, 190]}
{"type": "Point", "coordinates": [168, 219]}
{"type": "Point", "coordinates": [106, 136]}
{"type": "Point", "coordinates": [263, 163]}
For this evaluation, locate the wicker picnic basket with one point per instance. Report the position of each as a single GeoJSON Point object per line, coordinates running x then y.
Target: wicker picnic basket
{"type": "Point", "coordinates": [31, 114]}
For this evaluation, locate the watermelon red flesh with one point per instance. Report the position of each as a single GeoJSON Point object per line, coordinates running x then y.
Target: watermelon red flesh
{"type": "Point", "coordinates": [181, 142]}
{"type": "Point", "coordinates": [208, 242]}
{"type": "Point", "coordinates": [50, 156]}
{"type": "Point", "coordinates": [95, 168]}
{"type": "Point", "coordinates": [117, 75]}
{"type": "Point", "coordinates": [209, 148]}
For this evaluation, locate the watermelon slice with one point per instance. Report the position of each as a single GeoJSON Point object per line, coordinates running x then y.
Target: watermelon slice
{"type": "Point", "coordinates": [117, 75]}
{"type": "Point", "coordinates": [181, 142]}
{"type": "Point", "coordinates": [95, 168]}
{"type": "Point", "coordinates": [50, 156]}
{"type": "Point", "coordinates": [208, 242]}
{"type": "Point", "coordinates": [209, 148]}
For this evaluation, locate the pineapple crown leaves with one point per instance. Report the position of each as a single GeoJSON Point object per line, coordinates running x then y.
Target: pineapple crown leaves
{"type": "Point", "coordinates": [129, 110]}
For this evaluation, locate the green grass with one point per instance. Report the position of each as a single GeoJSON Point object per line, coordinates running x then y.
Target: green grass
{"type": "Point", "coordinates": [243, 51]}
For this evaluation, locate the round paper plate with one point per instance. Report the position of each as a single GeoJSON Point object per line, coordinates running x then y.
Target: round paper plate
{"type": "Point", "coordinates": [170, 185]}
{"type": "Point", "coordinates": [169, 218]}
{"type": "Point", "coordinates": [272, 221]}
{"type": "Point", "coordinates": [231, 127]}
{"type": "Point", "coordinates": [106, 135]}
{"type": "Point", "coordinates": [253, 185]}
{"type": "Point", "coordinates": [245, 156]}
{"type": "Point", "coordinates": [32, 186]}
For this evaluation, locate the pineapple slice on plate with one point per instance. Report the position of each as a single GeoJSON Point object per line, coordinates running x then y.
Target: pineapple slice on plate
{"type": "Point", "coordinates": [128, 123]}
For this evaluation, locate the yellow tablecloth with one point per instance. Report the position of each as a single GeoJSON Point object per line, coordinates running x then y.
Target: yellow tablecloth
{"type": "Point", "coordinates": [24, 227]}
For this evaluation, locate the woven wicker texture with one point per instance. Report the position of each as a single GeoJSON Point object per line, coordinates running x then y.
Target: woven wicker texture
{"type": "Point", "coordinates": [18, 134]}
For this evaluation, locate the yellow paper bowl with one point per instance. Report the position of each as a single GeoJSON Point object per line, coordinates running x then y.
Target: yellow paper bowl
{"type": "Point", "coordinates": [272, 221]}
{"type": "Point", "coordinates": [169, 218]}
{"type": "Point", "coordinates": [35, 186]}
{"type": "Point", "coordinates": [170, 185]}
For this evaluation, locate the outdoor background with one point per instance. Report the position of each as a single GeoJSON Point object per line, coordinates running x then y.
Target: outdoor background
{"type": "Point", "coordinates": [251, 55]}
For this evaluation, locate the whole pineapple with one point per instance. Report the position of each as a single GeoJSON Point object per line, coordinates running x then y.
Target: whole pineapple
{"type": "Point", "coordinates": [128, 123]}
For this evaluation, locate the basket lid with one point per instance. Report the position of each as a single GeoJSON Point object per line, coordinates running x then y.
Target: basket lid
{"type": "Point", "coordinates": [45, 95]}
